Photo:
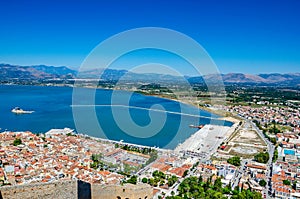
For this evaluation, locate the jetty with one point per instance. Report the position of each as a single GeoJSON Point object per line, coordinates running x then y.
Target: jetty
{"type": "Point", "coordinates": [205, 141]}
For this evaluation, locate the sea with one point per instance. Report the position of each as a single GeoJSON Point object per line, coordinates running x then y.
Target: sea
{"type": "Point", "coordinates": [115, 115]}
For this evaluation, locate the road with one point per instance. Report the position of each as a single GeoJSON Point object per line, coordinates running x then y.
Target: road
{"type": "Point", "coordinates": [238, 174]}
{"type": "Point", "coordinates": [267, 191]}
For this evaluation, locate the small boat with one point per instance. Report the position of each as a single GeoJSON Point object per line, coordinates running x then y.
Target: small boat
{"type": "Point", "coordinates": [199, 127]}
{"type": "Point", "coordinates": [18, 110]}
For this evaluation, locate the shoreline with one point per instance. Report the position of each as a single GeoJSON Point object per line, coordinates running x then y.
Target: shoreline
{"type": "Point", "coordinates": [119, 142]}
{"type": "Point", "coordinates": [212, 111]}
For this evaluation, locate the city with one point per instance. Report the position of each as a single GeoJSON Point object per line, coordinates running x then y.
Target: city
{"type": "Point", "coordinates": [150, 99]}
{"type": "Point", "coordinates": [259, 152]}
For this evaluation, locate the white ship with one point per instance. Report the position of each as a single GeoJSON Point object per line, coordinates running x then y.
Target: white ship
{"type": "Point", "coordinates": [18, 110]}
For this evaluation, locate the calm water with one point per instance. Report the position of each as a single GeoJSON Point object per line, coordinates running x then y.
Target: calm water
{"type": "Point", "coordinates": [52, 106]}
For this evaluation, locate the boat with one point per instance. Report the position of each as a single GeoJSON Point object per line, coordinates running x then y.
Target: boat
{"type": "Point", "coordinates": [18, 110]}
{"type": "Point", "coordinates": [199, 126]}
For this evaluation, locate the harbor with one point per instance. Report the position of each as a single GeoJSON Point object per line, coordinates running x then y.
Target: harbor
{"type": "Point", "coordinates": [205, 141]}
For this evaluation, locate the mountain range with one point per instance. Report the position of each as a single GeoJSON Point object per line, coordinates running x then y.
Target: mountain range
{"type": "Point", "coordinates": [42, 72]}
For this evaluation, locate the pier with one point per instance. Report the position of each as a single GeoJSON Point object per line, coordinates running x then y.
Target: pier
{"type": "Point", "coordinates": [205, 141]}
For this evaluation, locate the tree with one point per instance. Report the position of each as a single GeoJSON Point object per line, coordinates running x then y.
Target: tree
{"type": "Point", "coordinates": [172, 180]}
{"type": "Point", "coordinates": [200, 180]}
{"type": "Point", "coordinates": [185, 173]}
{"type": "Point", "coordinates": [161, 182]}
{"type": "Point", "coordinates": [294, 184]}
{"type": "Point", "coordinates": [172, 193]}
{"type": "Point", "coordinates": [262, 157]}
{"type": "Point", "coordinates": [191, 188]}
{"type": "Point", "coordinates": [144, 180]}
{"type": "Point", "coordinates": [256, 195]}
{"type": "Point", "coordinates": [262, 183]}
{"type": "Point", "coordinates": [96, 157]}
{"type": "Point", "coordinates": [286, 182]}
{"type": "Point", "coordinates": [236, 161]}
{"type": "Point", "coordinates": [17, 142]}
{"type": "Point", "coordinates": [218, 184]}
{"type": "Point", "coordinates": [132, 180]}
{"type": "Point", "coordinates": [226, 190]}
{"type": "Point", "coordinates": [159, 174]}
{"type": "Point", "coordinates": [273, 140]}
{"type": "Point", "coordinates": [151, 181]}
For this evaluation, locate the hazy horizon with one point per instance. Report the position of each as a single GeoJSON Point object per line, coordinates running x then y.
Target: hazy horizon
{"type": "Point", "coordinates": [145, 72]}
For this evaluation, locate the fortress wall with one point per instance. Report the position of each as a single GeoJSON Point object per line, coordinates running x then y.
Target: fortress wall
{"type": "Point", "coordinates": [59, 190]}
{"type": "Point", "coordinates": [76, 189]}
{"type": "Point", "coordinates": [127, 191]}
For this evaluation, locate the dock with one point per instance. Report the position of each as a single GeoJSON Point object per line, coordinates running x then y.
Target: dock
{"type": "Point", "coordinates": [204, 141]}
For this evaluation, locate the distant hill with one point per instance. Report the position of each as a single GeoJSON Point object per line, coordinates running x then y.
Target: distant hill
{"type": "Point", "coordinates": [267, 79]}
{"type": "Point", "coordinates": [10, 72]}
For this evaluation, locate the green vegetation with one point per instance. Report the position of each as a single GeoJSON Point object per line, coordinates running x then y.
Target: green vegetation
{"type": "Point", "coordinates": [144, 180]}
{"type": "Point", "coordinates": [274, 129]}
{"type": "Point", "coordinates": [237, 94]}
{"type": "Point", "coordinates": [128, 169]}
{"type": "Point", "coordinates": [194, 187]}
{"type": "Point", "coordinates": [271, 128]}
{"type": "Point", "coordinates": [185, 173]}
{"type": "Point", "coordinates": [96, 157]}
{"type": "Point", "coordinates": [286, 182]}
{"type": "Point", "coordinates": [156, 89]}
{"type": "Point", "coordinates": [71, 134]}
{"type": "Point", "coordinates": [236, 161]}
{"type": "Point", "coordinates": [275, 155]}
{"type": "Point", "coordinates": [143, 150]}
{"type": "Point", "coordinates": [132, 180]}
{"type": "Point", "coordinates": [17, 142]}
{"type": "Point", "coordinates": [153, 157]}
{"type": "Point", "coordinates": [262, 157]}
{"type": "Point", "coordinates": [262, 183]}
{"type": "Point", "coordinates": [98, 163]}
{"type": "Point", "coordinates": [172, 180]}
{"type": "Point", "coordinates": [158, 179]}
{"type": "Point", "coordinates": [159, 174]}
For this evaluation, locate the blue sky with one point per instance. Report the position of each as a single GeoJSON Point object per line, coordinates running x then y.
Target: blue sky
{"type": "Point", "coordinates": [248, 36]}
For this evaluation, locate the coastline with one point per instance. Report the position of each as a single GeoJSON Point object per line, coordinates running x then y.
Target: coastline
{"type": "Point", "coordinates": [114, 141]}
{"type": "Point", "coordinates": [121, 142]}
{"type": "Point", "coordinates": [138, 92]}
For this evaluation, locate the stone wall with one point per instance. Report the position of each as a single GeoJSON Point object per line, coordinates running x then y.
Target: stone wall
{"type": "Point", "coordinates": [76, 189]}
{"type": "Point", "coordinates": [59, 190]}
{"type": "Point", "coordinates": [127, 191]}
